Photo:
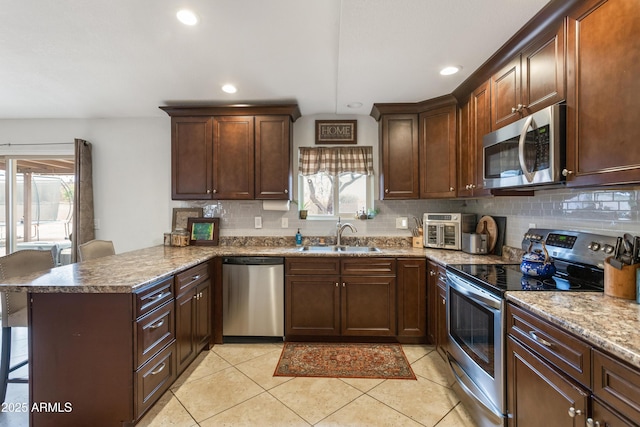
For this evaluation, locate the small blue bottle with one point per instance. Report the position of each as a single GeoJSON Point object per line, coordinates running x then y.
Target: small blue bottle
{"type": "Point", "coordinates": [298, 238]}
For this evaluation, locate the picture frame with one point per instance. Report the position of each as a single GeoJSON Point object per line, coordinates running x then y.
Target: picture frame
{"type": "Point", "coordinates": [204, 231]}
{"type": "Point", "coordinates": [336, 131]}
{"type": "Point", "coordinates": [181, 216]}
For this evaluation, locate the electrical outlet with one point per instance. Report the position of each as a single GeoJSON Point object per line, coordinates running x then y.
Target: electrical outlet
{"type": "Point", "coordinates": [96, 224]}
{"type": "Point", "coordinates": [258, 221]}
{"type": "Point", "coordinates": [532, 225]}
{"type": "Point", "coordinates": [402, 223]}
{"type": "Point", "coordinates": [285, 222]}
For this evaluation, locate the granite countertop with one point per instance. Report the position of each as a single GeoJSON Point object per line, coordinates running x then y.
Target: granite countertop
{"type": "Point", "coordinates": [610, 323]}
{"type": "Point", "coordinates": [129, 271]}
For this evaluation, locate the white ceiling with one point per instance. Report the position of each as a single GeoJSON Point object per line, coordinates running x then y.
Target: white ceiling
{"type": "Point", "coordinates": [124, 58]}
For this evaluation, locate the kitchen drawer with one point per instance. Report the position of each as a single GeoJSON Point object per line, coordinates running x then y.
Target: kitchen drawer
{"type": "Point", "coordinates": [570, 354]}
{"type": "Point", "coordinates": [605, 417]}
{"type": "Point", "coordinates": [191, 277]}
{"type": "Point", "coordinates": [154, 378]}
{"type": "Point", "coordinates": [307, 265]}
{"type": "Point", "coordinates": [617, 384]}
{"type": "Point", "coordinates": [376, 266]}
{"type": "Point", "coordinates": [153, 296]}
{"type": "Point", "coordinates": [154, 331]}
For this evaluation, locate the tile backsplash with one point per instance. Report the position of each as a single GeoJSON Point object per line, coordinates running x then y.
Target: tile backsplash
{"type": "Point", "coordinates": [602, 211]}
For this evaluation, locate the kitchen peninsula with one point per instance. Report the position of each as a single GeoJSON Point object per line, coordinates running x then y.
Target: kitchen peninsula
{"type": "Point", "coordinates": [105, 333]}
{"type": "Point", "coordinates": [109, 336]}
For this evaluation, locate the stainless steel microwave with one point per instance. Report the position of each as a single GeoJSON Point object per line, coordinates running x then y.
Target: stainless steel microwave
{"type": "Point", "coordinates": [527, 152]}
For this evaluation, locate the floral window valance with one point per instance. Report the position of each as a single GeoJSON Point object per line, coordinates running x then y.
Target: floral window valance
{"type": "Point", "coordinates": [336, 160]}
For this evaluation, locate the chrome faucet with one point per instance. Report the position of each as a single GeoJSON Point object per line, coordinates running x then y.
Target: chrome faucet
{"type": "Point", "coordinates": [340, 228]}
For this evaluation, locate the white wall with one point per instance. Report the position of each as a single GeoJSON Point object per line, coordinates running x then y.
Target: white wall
{"type": "Point", "coordinates": [131, 171]}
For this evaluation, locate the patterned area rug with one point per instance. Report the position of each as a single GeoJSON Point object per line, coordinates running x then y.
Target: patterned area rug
{"type": "Point", "coordinates": [344, 361]}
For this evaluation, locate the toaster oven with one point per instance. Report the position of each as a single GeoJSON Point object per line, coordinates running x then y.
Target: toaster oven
{"type": "Point", "coordinates": [444, 230]}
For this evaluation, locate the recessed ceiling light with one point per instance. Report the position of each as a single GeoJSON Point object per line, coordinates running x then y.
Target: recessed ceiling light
{"type": "Point", "coordinates": [187, 17]}
{"type": "Point", "coordinates": [229, 88]}
{"type": "Point", "coordinates": [354, 105]}
{"type": "Point", "coordinates": [447, 71]}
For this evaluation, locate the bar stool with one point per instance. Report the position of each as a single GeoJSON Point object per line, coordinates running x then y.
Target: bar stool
{"type": "Point", "coordinates": [14, 305]}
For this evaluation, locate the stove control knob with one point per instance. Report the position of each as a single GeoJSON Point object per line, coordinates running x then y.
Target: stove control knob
{"type": "Point", "coordinates": [594, 246]}
{"type": "Point", "coordinates": [608, 249]}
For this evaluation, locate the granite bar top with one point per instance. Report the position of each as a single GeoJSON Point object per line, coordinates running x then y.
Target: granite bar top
{"type": "Point", "coordinates": [610, 323]}
{"type": "Point", "coordinates": [129, 271]}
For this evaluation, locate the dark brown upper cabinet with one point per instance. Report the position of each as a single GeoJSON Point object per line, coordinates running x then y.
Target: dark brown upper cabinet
{"type": "Point", "coordinates": [474, 117]}
{"type": "Point", "coordinates": [531, 80]}
{"type": "Point", "coordinates": [417, 146]}
{"type": "Point", "coordinates": [191, 154]}
{"type": "Point", "coordinates": [273, 178]}
{"type": "Point", "coordinates": [438, 153]}
{"type": "Point", "coordinates": [233, 158]}
{"type": "Point", "coordinates": [602, 98]}
{"type": "Point", "coordinates": [231, 153]}
{"type": "Point", "coordinates": [399, 177]}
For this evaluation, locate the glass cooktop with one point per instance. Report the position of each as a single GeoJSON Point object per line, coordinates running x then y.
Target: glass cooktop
{"type": "Point", "coordinates": [499, 278]}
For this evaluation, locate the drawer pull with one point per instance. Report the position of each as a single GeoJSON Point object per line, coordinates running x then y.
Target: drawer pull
{"type": "Point", "coordinates": [539, 340]}
{"type": "Point", "coordinates": [159, 296]}
{"type": "Point", "coordinates": [157, 324]}
{"type": "Point", "coordinates": [158, 369]}
{"type": "Point", "coordinates": [196, 277]}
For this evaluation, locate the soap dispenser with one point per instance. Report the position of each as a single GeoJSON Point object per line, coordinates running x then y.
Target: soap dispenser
{"type": "Point", "coordinates": [298, 238]}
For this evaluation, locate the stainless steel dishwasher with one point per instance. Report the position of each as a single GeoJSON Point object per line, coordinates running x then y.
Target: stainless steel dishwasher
{"type": "Point", "coordinates": [253, 296]}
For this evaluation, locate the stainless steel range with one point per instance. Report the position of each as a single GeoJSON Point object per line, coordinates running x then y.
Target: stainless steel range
{"type": "Point", "coordinates": [476, 304]}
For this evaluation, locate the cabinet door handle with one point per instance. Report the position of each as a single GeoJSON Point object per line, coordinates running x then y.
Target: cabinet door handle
{"type": "Point", "coordinates": [451, 188]}
{"type": "Point", "coordinates": [337, 284]}
{"type": "Point", "coordinates": [158, 369]}
{"type": "Point", "coordinates": [343, 284]}
{"type": "Point", "coordinates": [539, 340]}
{"type": "Point", "coordinates": [573, 412]}
{"type": "Point", "coordinates": [566, 172]}
{"type": "Point", "coordinates": [215, 191]}
{"type": "Point", "coordinates": [157, 324]}
{"type": "Point", "coordinates": [592, 423]}
{"type": "Point", "coordinates": [286, 191]}
{"type": "Point", "coordinates": [444, 301]}
{"type": "Point", "coordinates": [208, 191]}
{"type": "Point", "coordinates": [432, 273]}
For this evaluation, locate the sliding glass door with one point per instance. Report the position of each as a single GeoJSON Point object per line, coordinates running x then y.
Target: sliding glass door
{"type": "Point", "coordinates": [36, 204]}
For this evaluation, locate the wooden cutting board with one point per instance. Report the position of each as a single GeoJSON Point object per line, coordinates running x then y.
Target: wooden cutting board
{"type": "Point", "coordinates": [487, 225]}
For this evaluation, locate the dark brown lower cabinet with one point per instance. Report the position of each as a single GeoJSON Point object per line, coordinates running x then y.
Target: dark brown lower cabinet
{"type": "Point", "coordinates": [557, 379]}
{"type": "Point", "coordinates": [104, 359]}
{"type": "Point", "coordinates": [538, 395]}
{"type": "Point", "coordinates": [412, 298]}
{"type": "Point", "coordinates": [334, 297]}
{"type": "Point", "coordinates": [437, 307]}
{"type": "Point", "coordinates": [193, 315]}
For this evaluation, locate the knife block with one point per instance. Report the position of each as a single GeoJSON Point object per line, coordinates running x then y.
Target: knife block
{"type": "Point", "coordinates": [620, 283]}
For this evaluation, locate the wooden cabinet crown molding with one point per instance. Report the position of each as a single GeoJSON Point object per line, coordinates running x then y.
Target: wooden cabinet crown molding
{"type": "Point", "coordinates": [291, 110]}
{"type": "Point", "coordinates": [381, 109]}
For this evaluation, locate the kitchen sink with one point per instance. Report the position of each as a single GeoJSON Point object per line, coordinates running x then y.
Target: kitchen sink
{"type": "Point", "coordinates": [347, 249]}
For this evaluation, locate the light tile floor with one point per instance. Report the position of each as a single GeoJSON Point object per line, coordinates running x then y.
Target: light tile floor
{"type": "Point", "coordinates": [233, 385]}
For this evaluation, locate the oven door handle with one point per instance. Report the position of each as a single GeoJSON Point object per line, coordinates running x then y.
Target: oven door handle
{"type": "Point", "coordinates": [488, 302]}
{"type": "Point", "coordinates": [478, 396]}
{"type": "Point", "coordinates": [523, 136]}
